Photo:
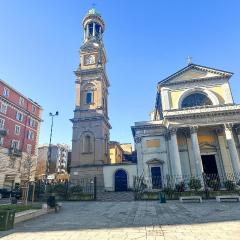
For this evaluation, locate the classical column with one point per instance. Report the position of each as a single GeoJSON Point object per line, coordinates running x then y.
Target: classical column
{"type": "Point", "coordinates": [94, 29]}
{"type": "Point", "coordinates": [232, 148]}
{"type": "Point", "coordinates": [225, 157]}
{"type": "Point", "coordinates": [175, 157]}
{"type": "Point", "coordinates": [87, 33]}
{"type": "Point", "coordinates": [196, 151]}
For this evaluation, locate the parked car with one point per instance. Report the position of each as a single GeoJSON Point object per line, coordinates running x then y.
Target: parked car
{"type": "Point", "coordinates": [5, 193]}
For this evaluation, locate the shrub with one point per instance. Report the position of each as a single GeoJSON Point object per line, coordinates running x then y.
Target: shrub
{"type": "Point", "coordinates": [168, 191]}
{"type": "Point", "coordinates": [60, 189]}
{"type": "Point", "coordinates": [195, 184]}
{"type": "Point", "coordinates": [230, 185]}
{"type": "Point", "coordinates": [76, 189]}
{"type": "Point", "coordinates": [214, 184]}
{"type": "Point", "coordinates": [180, 187]}
{"type": "Point", "coordinates": [49, 188]}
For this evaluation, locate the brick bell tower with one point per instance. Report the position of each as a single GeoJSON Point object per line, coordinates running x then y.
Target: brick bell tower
{"type": "Point", "coordinates": [90, 141]}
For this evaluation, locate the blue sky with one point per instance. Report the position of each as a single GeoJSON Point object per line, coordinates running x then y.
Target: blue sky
{"type": "Point", "coordinates": [145, 42]}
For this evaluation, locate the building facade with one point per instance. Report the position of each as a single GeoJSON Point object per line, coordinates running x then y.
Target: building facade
{"type": "Point", "coordinates": [20, 119]}
{"type": "Point", "coordinates": [116, 152]}
{"type": "Point", "coordinates": [57, 163]}
{"type": "Point", "coordinates": [90, 140]}
{"type": "Point", "coordinates": [194, 128]}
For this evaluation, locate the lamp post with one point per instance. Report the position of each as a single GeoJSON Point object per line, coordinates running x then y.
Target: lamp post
{"type": "Point", "coordinates": [49, 149]}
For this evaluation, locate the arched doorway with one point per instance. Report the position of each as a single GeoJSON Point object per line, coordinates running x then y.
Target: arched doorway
{"type": "Point", "coordinates": [120, 180]}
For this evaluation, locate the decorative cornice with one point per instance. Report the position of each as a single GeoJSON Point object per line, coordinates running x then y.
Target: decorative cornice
{"type": "Point", "coordinates": [90, 118]}
{"type": "Point", "coordinates": [202, 111]}
{"type": "Point", "coordinates": [191, 81]}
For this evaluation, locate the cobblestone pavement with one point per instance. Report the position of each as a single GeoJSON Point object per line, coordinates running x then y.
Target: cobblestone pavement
{"type": "Point", "coordinates": [133, 220]}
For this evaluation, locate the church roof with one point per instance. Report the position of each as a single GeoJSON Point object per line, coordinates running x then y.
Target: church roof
{"type": "Point", "coordinates": [182, 74]}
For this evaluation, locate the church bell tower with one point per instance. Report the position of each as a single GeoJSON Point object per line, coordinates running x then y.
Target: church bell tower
{"type": "Point", "coordinates": [90, 123]}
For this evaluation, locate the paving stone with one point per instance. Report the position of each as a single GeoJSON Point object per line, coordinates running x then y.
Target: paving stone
{"type": "Point", "coordinates": [133, 220]}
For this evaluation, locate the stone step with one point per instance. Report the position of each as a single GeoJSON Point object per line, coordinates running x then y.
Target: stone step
{"type": "Point", "coordinates": [115, 196]}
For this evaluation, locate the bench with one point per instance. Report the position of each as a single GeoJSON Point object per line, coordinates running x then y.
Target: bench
{"type": "Point", "coordinates": [191, 198]}
{"type": "Point", "coordinates": [228, 197]}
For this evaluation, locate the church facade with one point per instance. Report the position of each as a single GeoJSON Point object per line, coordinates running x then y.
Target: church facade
{"type": "Point", "coordinates": [194, 128]}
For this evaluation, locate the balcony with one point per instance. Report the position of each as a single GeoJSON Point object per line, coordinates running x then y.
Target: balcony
{"type": "Point", "coordinates": [15, 152]}
{"type": "Point", "coordinates": [3, 132]}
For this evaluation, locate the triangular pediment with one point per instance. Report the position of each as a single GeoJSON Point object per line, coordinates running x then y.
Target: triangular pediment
{"type": "Point", "coordinates": [207, 146]}
{"type": "Point", "coordinates": [155, 161]}
{"type": "Point", "coordinates": [194, 72]}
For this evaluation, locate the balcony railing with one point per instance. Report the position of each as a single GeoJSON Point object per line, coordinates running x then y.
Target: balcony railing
{"type": "Point", "coordinates": [15, 152]}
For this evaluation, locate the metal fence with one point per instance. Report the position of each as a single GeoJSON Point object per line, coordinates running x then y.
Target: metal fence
{"type": "Point", "coordinates": [182, 183]}
{"type": "Point", "coordinates": [81, 189]}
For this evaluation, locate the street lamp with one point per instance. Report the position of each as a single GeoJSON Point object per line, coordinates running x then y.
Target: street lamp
{"type": "Point", "coordinates": [49, 149]}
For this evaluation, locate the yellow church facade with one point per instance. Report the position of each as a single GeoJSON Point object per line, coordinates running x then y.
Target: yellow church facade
{"type": "Point", "coordinates": [193, 131]}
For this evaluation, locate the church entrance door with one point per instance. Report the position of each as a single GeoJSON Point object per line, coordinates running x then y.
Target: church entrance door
{"type": "Point", "coordinates": [156, 177]}
{"type": "Point", "coordinates": [120, 180]}
{"type": "Point", "coordinates": [209, 164]}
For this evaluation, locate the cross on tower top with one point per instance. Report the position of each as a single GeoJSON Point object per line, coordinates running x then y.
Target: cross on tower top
{"type": "Point", "coordinates": [189, 60]}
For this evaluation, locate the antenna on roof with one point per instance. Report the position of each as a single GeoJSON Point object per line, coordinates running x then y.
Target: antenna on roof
{"type": "Point", "coordinates": [189, 60]}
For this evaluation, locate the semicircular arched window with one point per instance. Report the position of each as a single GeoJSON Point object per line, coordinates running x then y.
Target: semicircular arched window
{"type": "Point", "coordinates": [196, 99]}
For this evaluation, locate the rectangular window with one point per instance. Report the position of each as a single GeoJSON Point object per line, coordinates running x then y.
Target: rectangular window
{"type": "Point", "coordinates": [5, 92]}
{"type": "Point", "coordinates": [3, 108]}
{"type": "Point", "coordinates": [30, 135]}
{"type": "Point", "coordinates": [89, 98]}
{"type": "Point", "coordinates": [1, 141]}
{"type": "Point", "coordinates": [33, 109]}
{"type": "Point", "coordinates": [29, 148]}
{"type": "Point", "coordinates": [21, 101]}
{"type": "Point", "coordinates": [2, 121]}
{"type": "Point", "coordinates": [15, 144]}
{"type": "Point", "coordinates": [19, 116]}
{"type": "Point", "coordinates": [32, 122]}
{"type": "Point", "coordinates": [17, 129]}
